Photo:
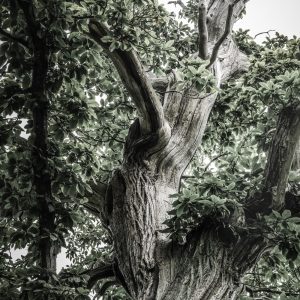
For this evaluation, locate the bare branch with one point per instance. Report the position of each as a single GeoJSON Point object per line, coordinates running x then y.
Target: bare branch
{"type": "Point", "coordinates": [281, 154]}
{"type": "Point", "coordinates": [227, 31]}
{"type": "Point", "coordinates": [202, 31]}
{"type": "Point", "coordinates": [135, 79]}
{"type": "Point", "coordinates": [264, 32]}
{"type": "Point", "coordinates": [14, 38]}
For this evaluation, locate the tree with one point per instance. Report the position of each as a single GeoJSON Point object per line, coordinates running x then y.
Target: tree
{"type": "Point", "coordinates": [189, 206]}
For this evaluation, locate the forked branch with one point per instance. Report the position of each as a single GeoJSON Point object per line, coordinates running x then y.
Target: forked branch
{"type": "Point", "coordinates": [134, 78]}
{"type": "Point", "coordinates": [223, 37]}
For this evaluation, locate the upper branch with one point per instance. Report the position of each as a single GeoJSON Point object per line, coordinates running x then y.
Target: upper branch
{"type": "Point", "coordinates": [29, 15]}
{"type": "Point", "coordinates": [202, 31]}
{"type": "Point", "coordinates": [281, 154]}
{"type": "Point", "coordinates": [136, 81]}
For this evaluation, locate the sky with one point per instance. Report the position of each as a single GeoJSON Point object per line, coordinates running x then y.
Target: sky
{"type": "Point", "coordinates": [280, 15]}
{"type": "Point", "coordinates": [261, 15]}
{"type": "Point", "coordinates": [264, 15]}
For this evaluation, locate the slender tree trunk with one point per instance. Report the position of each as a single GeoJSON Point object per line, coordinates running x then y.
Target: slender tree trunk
{"type": "Point", "coordinates": [47, 249]}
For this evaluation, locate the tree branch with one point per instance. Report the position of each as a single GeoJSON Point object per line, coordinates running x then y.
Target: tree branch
{"type": "Point", "coordinates": [14, 38]}
{"type": "Point", "coordinates": [135, 79]}
{"type": "Point", "coordinates": [281, 153]}
{"type": "Point", "coordinates": [202, 31]}
{"type": "Point", "coordinates": [105, 270]}
{"type": "Point", "coordinates": [223, 37]}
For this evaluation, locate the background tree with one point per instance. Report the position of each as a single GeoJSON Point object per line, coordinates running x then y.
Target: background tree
{"type": "Point", "coordinates": [106, 150]}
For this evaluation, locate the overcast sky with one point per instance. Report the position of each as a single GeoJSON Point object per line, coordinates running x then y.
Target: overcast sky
{"type": "Point", "coordinates": [263, 15]}
{"type": "Point", "coordinates": [280, 15]}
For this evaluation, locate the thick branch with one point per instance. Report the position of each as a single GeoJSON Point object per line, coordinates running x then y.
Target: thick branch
{"type": "Point", "coordinates": [136, 81]}
{"type": "Point", "coordinates": [281, 154]}
{"type": "Point", "coordinates": [13, 38]}
{"type": "Point", "coordinates": [223, 37]}
{"type": "Point", "coordinates": [202, 31]}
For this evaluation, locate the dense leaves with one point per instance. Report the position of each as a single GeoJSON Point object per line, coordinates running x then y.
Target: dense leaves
{"type": "Point", "coordinates": [89, 116]}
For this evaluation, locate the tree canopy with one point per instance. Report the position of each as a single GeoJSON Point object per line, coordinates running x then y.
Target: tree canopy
{"type": "Point", "coordinates": [65, 113]}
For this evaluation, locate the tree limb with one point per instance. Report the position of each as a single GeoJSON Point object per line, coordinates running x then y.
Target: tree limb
{"type": "Point", "coordinates": [202, 31]}
{"type": "Point", "coordinates": [105, 270]}
{"type": "Point", "coordinates": [136, 81]}
{"type": "Point", "coordinates": [14, 38]}
{"type": "Point", "coordinates": [224, 35]}
{"type": "Point", "coordinates": [281, 153]}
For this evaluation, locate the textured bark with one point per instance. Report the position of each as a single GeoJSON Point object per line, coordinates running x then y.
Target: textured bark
{"type": "Point", "coordinates": [281, 154]}
{"type": "Point", "coordinates": [296, 160]}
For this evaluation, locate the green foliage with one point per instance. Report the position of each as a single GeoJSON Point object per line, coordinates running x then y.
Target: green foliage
{"type": "Point", "coordinates": [89, 115]}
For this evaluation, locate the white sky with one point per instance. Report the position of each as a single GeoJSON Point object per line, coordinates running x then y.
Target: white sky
{"type": "Point", "coordinates": [280, 15]}
{"type": "Point", "coordinates": [263, 15]}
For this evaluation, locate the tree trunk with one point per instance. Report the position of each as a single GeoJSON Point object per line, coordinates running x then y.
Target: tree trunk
{"type": "Point", "coordinates": [154, 267]}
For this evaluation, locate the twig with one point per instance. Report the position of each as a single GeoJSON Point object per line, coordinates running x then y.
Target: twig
{"type": "Point", "coordinates": [264, 32]}
{"type": "Point", "coordinates": [202, 31]}
{"type": "Point", "coordinates": [224, 35]}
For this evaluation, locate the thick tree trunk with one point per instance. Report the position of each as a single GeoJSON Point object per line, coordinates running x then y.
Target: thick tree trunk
{"type": "Point", "coordinates": [154, 267]}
